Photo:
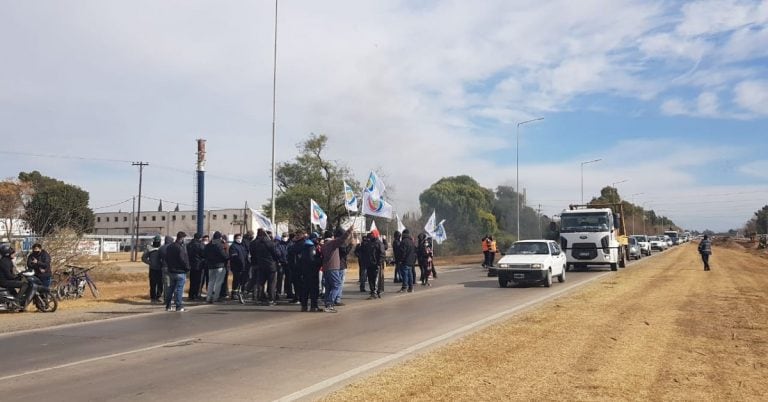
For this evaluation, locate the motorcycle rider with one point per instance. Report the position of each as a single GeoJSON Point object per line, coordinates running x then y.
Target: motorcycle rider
{"type": "Point", "coordinates": [11, 281]}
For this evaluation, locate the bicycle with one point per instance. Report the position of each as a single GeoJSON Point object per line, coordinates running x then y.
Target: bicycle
{"type": "Point", "coordinates": [71, 283]}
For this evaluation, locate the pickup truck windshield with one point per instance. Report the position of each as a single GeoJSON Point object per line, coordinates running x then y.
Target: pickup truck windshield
{"type": "Point", "coordinates": [528, 248]}
{"type": "Point", "coordinates": [585, 222]}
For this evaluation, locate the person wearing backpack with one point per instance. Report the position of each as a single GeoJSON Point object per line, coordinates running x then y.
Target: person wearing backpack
{"type": "Point", "coordinates": [151, 257]}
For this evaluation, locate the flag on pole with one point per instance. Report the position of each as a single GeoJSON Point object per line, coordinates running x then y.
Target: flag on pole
{"type": "Point", "coordinates": [316, 215]}
{"type": "Point", "coordinates": [264, 222]}
{"type": "Point", "coordinates": [374, 185]}
{"type": "Point", "coordinates": [376, 206]}
{"type": "Point", "coordinates": [374, 229]}
{"type": "Point", "coordinates": [431, 227]}
{"type": "Point", "coordinates": [400, 226]}
{"type": "Point", "coordinates": [350, 199]}
{"type": "Point", "coordinates": [440, 235]}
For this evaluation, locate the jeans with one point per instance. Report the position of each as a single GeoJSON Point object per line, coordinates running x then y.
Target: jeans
{"type": "Point", "coordinates": [215, 279]}
{"type": "Point", "coordinates": [341, 286]}
{"type": "Point", "coordinates": [705, 258]}
{"type": "Point", "coordinates": [46, 281]}
{"type": "Point", "coordinates": [333, 282]}
{"type": "Point", "coordinates": [175, 290]}
{"type": "Point", "coordinates": [362, 276]}
{"type": "Point", "coordinates": [407, 274]}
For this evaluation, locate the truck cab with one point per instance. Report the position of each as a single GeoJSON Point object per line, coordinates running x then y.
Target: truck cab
{"type": "Point", "coordinates": [592, 236]}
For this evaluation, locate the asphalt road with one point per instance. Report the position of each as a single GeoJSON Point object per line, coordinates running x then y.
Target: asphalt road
{"type": "Point", "coordinates": [235, 352]}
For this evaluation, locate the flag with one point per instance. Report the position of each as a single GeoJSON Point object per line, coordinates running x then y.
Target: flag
{"type": "Point", "coordinates": [374, 185]}
{"type": "Point", "coordinates": [350, 199]}
{"type": "Point", "coordinates": [316, 215]}
{"type": "Point", "coordinates": [400, 226]}
{"type": "Point", "coordinates": [376, 206]}
{"type": "Point", "coordinates": [374, 229]}
{"type": "Point", "coordinates": [263, 221]}
{"type": "Point", "coordinates": [440, 235]}
{"type": "Point", "coordinates": [430, 227]}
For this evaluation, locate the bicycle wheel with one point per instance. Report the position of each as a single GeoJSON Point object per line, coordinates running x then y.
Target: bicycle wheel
{"type": "Point", "coordinates": [94, 289]}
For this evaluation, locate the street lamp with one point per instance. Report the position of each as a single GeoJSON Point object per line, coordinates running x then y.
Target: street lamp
{"type": "Point", "coordinates": [274, 98]}
{"type": "Point", "coordinates": [517, 170]}
{"type": "Point", "coordinates": [582, 176]}
{"type": "Point", "coordinates": [631, 197]}
{"type": "Point", "coordinates": [613, 185]}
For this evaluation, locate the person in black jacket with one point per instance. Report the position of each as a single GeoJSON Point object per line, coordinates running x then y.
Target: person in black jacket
{"type": "Point", "coordinates": [264, 256]}
{"type": "Point", "coordinates": [239, 264]}
{"type": "Point", "coordinates": [196, 254]}
{"type": "Point", "coordinates": [216, 259]}
{"type": "Point", "coordinates": [151, 257]}
{"type": "Point", "coordinates": [294, 248]}
{"type": "Point", "coordinates": [407, 261]}
{"type": "Point", "coordinates": [371, 255]}
{"type": "Point", "coordinates": [705, 249]}
{"type": "Point", "coordinates": [178, 266]}
{"type": "Point", "coordinates": [8, 278]}
{"type": "Point", "coordinates": [308, 261]}
{"type": "Point", "coordinates": [424, 255]}
{"type": "Point", "coordinates": [40, 261]}
{"type": "Point", "coordinates": [396, 254]}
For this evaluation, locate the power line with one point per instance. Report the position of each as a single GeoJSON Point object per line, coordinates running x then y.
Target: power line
{"type": "Point", "coordinates": [113, 205]}
{"type": "Point", "coordinates": [63, 157]}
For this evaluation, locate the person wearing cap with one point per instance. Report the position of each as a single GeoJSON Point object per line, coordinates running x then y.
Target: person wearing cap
{"type": "Point", "coordinates": [332, 271]}
{"type": "Point", "coordinates": [705, 249]}
{"type": "Point", "coordinates": [178, 266]}
{"type": "Point", "coordinates": [195, 252]}
{"type": "Point", "coordinates": [216, 258]}
{"type": "Point", "coordinates": [151, 257]}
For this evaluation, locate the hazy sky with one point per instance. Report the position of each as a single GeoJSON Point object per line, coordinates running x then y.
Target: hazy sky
{"type": "Point", "coordinates": [672, 96]}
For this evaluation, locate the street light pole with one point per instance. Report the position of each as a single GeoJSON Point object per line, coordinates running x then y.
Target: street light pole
{"type": "Point", "coordinates": [582, 176]}
{"type": "Point", "coordinates": [613, 185]}
{"type": "Point", "coordinates": [517, 170]}
{"type": "Point", "coordinates": [274, 93]}
{"type": "Point", "coordinates": [631, 197]}
{"type": "Point", "coordinates": [134, 256]}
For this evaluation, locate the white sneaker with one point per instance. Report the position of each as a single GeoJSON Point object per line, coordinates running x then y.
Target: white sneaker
{"type": "Point", "coordinates": [181, 310]}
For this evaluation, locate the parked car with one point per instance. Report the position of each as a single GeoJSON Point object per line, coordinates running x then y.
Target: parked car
{"type": "Point", "coordinates": [644, 243]}
{"type": "Point", "coordinates": [658, 243]}
{"type": "Point", "coordinates": [669, 240]}
{"type": "Point", "coordinates": [532, 261]}
{"type": "Point", "coordinates": [635, 252]}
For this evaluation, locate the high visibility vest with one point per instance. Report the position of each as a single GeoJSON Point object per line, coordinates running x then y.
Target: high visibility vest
{"type": "Point", "coordinates": [493, 247]}
{"type": "Point", "coordinates": [485, 245]}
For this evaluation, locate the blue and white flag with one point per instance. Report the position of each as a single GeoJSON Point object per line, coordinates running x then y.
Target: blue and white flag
{"type": "Point", "coordinates": [350, 199]}
{"type": "Point", "coordinates": [264, 222]}
{"type": "Point", "coordinates": [373, 198]}
{"type": "Point", "coordinates": [440, 235]}
{"type": "Point", "coordinates": [374, 185]}
{"type": "Point", "coordinates": [317, 216]}
{"type": "Point", "coordinates": [431, 227]}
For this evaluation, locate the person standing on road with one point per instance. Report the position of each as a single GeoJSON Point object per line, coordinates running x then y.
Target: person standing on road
{"type": "Point", "coordinates": [705, 249]}
{"type": "Point", "coordinates": [282, 281]}
{"type": "Point", "coordinates": [332, 271]}
{"type": "Point", "coordinates": [308, 261]}
{"type": "Point", "coordinates": [424, 255]}
{"type": "Point", "coordinates": [178, 267]}
{"type": "Point", "coordinates": [491, 251]}
{"type": "Point", "coordinates": [162, 251]}
{"type": "Point", "coordinates": [206, 240]}
{"type": "Point", "coordinates": [485, 251]}
{"type": "Point", "coordinates": [294, 248]}
{"type": "Point", "coordinates": [396, 239]}
{"type": "Point", "coordinates": [263, 254]}
{"type": "Point", "coordinates": [408, 261]}
{"type": "Point", "coordinates": [371, 256]}
{"type": "Point", "coordinates": [239, 264]}
{"type": "Point", "coordinates": [195, 252]}
{"type": "Point", "coordinates": [216, 258]}
{"type": "Point", "coordinates": [40, 261]}
{"type": "Point", "coordinates": [361, 275]}
{"type": "Point", "coordinates": [343, 254]}
{"type": "Point", "coordinates": [151, 257]}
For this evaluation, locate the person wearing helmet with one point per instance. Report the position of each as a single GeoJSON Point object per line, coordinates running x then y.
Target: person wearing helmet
{"type": "Point", "coordinates": [9, 279]}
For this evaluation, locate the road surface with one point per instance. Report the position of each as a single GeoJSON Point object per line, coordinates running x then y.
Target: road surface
{"type": "Point", "coordinates": [235, 352]}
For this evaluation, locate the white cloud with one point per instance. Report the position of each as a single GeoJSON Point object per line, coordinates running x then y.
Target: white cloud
{"type": "Point", "coordinates": [757, 169]}
{"type": "Point", "coordinates": [752, 96]}
{"type": "Point", "coordinates": [714, 16]}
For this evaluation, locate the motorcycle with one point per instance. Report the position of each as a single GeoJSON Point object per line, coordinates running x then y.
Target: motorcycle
{"type": "Point", "coordinates": [41, 296]}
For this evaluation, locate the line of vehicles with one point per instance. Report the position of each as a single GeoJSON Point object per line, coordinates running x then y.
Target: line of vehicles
{"type": "Point", "coordinates": [589, 235]}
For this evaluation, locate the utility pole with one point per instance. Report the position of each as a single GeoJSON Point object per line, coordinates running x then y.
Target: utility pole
{"type": "Point", "coordinates": [274, 101]}
{"type": "Point", "coordinates": [133, 215]}
{"type": "Point", "coordinates": [538, 215]}
{"type": "Point", "coordinates": [138, 211]}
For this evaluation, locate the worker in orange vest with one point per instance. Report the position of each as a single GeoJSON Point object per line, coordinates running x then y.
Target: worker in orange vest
{"type": "Point", "coordinates": [491, 251]}
{"type": "Point", "coordinates": [484, 243]}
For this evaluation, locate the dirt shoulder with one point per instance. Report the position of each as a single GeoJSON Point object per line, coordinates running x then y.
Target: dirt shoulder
{"type": "Point", "coordinates": [662, 330]}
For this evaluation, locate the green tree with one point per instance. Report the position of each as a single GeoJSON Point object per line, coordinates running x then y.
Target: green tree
{"type": "Point", "coordinates": [311, 176]}
{"type": "Point", "coordinates": [532, 225]}
{"type": "Point", "coordinates": [466, 207]}
{"type": "Point", "coordinates": [56, 205]}
{"type": "Point", "coordinates": [761, 220]}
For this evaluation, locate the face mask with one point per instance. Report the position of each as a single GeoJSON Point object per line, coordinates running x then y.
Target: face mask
{"type": "Point", "coordinates": [205, 242]}
{"type": "Point", "coordinates": [238, 241]}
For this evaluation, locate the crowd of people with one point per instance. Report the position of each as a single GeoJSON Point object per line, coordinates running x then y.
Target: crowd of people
{"type": "Point", "coordinates": [301, 268]}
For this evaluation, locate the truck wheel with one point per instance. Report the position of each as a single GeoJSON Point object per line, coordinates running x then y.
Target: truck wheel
{"type": "Point", "coordinates": [561, 277]}
{"type": "Point", "coordinates": [622, 262]}
{"type": "Point", "coordinates": [503, 282]}
{"type": "Point", "coordinates": [614, 267]}
{"type": "Point", "coordinates": [548, 279]}
{"type": "Point", "coordinates": [567, 267]}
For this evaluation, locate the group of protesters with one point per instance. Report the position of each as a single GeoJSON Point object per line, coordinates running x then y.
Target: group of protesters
{"type": "Point", "coordinates": [303, 267]}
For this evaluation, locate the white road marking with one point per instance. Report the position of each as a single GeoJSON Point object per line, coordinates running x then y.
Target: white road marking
{"type": "Point", "coordinates": [94, 359]}
{"type": "Point", "coordinates": [429, 342]}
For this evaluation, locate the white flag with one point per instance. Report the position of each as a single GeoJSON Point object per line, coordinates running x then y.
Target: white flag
{"type": "Point", "coordinates": [316, 215]}
{"type": "Point", "coordinates": [431, 227]}
{"type": "Point", "coordinates": [440, 235]}
{"type": "Point", "coordinates": [350, 199]}
{"type": "Point", "coordinates": [374, 185]}
{"type": "Point", "coordinates": [400, 226]}
{"type": "Point", "coordinates": [373, 226]}
{"type": "Point", "coordinates": [376, 206]}
{"type": "Point", "coordinates": [264, 222]}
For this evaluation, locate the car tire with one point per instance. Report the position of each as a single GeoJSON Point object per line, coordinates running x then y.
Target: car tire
{"type": "Point", "coordinates": [568, 267]}
{"type": "Point", "coordinates": [614, 267]}
{"type": "Point", "coordinates": [503, 282]}
{"type": "Point", "coordinates": [561, 277]}
{"type": "Point", "coordinates": [548, 279]}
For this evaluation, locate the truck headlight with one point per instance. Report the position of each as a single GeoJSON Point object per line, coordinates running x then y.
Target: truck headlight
{"type": "Point", "coordinates": [503, 265]}
{"type": "Point", "coordinates": [537, 266]}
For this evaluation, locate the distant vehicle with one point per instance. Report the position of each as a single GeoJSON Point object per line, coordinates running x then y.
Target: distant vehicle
{"type": "Point", "coordinates": [635, 252]}
{"type": "Point", "coordinates": [645, 244]}
{"type": "Point", "coordinates": [594, 235]}
{"type": "Point", "coordinates": [657, 243]}
{"type": "Point", "coordinates": [673, 235]}
{"type": "Point", "coordinates": [669, 241]}
{"type": "Point", "coordinates": [532, 261]}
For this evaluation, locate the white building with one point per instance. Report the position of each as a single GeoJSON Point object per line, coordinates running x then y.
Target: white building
{"type": "Point", "coordinates": [18, 228]}
{"type": "Point", "coordinates": [226, 221]}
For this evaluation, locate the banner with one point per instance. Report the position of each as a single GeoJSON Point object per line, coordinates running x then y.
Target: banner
{"type": "Point", "coordinates": [316, 215]}
{"type": "Point", "coordinates": [440, 235]}
{"type": "Point", "coordinates": [431, 227]}
{"type": "Point", "coordinates": [376, 206]}
{"type": "Point", "coordinates": [350, 199]}
{"type": "Point", "coordinates": [400, 226]}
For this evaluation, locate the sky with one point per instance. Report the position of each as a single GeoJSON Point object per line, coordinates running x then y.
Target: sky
{"type": "Point", "coordinates": [671, 96]}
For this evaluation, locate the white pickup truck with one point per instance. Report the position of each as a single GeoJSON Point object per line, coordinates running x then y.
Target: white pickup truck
{"type": "Point", "coordinates": [532, 261]}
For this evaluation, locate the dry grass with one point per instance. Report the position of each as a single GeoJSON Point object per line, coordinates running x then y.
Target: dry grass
{"type": "Point", "coordinates": [663, 330]}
